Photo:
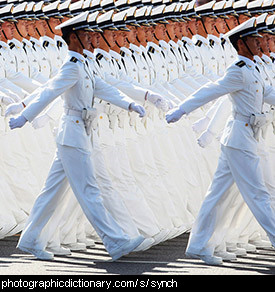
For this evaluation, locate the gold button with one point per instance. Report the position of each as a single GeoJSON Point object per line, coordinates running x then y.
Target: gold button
{"type": "Point", "coordinates": [77, 121]}
{"type": "Point", "coordinates": [257, 90]}
{"type": "Point", "coordinates": [246, 124]}
{"type": "Point", "coordinates": [101, 117]}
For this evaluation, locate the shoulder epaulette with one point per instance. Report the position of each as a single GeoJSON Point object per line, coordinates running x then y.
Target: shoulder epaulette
{"type": "Point", "coordinates": [122, 53]}
{"type": "Point", "coordinates": [240, 64]}
{"type": "Point", "coordinates": [184, 43]}
{"type": "Point", "coordinates": [99, 56]}
{"type": "Point", "coordinates": [12, 45]}
{"type": "Point", "coordinates": [74, 59]}
{"type": "Point", "coordinates": [151, 50]}
{"type": "Point", "coordinates": [59, 44]}
{"type": "Point", "coordinates": [211, 43]}
{"type": "Point", "coordinates": [45, 44]}
{"type": "Point", "coordinates": [198, 43]}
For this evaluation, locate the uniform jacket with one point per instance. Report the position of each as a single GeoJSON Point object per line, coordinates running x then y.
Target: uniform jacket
{"type": "Point", "coordinates": [247, 91]}
{"type": "Point", "coordinates": [144, 71]}
{"type": "Point", "coordinates": [9, 75]}
{"type": "Point", "coordinates": [40, 54]}
{"type": "Point", "coordinates": [77, 85]}
{"type": "Point", "coordinates": [49, 45]}
{"type": "Point", "coordinates": [208, 59]}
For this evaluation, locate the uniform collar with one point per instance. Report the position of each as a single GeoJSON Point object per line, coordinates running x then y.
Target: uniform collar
{"type": "Point", "coordinates": [27, 42]}
{"type": "Point", "coordinates": [164, 45]}
{"type": "Point", "coordinates": [4, 45]}
{"type": "Point", "coordinates": [59, 38]}
{"type": "Point", "coordinates": [249, 63]}
{"type": "Point", "coordinates": [155, 46]}
{"type": "Point", "coordinates": [115, 55]}
{"type": "Point", "coordinates": [258, 60]}
{"type": "Point", "coordinates": [198, 37]}
{"type": "Point", "coordinates": [76, 55]}
{"type": "Point", "coordinates": [135, 48]}
{"type": "Point", "coordinates": [214, 38]}
{"type": "Point", "coordinates": [187, 40]}
{"type": "Point", "coordinates": [143, 49]}
{"type": "Point", "coordinates": [46, 38]}
{"type": "Point", "coordinates": [105, 54]}
{"type": "Point", "coordinates": [126, 51]}
{"type": "Point", "coordinates": [267, 59]}
{"type": "Point", "coordinates": [16, 42]}
{"type": "Point", "coordinates": [36, 41]}
{"type": "Point", "coordinates": [173, 44]}
{"type": "Point", "coordinates": [89, 54]}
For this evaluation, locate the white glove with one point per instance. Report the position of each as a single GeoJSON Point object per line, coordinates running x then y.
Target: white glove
{"type": "Point", "coordinates": [138, 109]}
{"type": "Point", "coordinates": [200, 125]}
{"type": "Point", "coordinates": [18, 122]}
{"type": "Point", "coordinates": [174, 115]}
{"type": "Point", "coordinates": [6, 100]}
{"type": "Point", "coordinates": [206, 138]}
{"type": "Point", "coordinates": [158, 100]}
{"type": "Point", "coordinates": [14, 109]}
{"type": "Point", "coordinates": [40, 121]}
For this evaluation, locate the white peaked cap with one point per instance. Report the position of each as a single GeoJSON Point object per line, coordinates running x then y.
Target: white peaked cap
{"type": "Point", "coordinates": [76, 23]}
{"type": "Point", "coordinates": [270, 19]}
{"type": "Point", "coordinates": [247, 28]}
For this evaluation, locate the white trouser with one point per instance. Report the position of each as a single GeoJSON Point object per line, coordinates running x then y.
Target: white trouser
{"type": "Point", "coordinates": [72, 166]}
{"type": "Point", "coordinates": [243, 167]}
{"type": "Point", "coordinates": [117, 164]}
{"type": "Point", "coordinates": [111, 197]}
{"type": "Point", "coordinates": [144, 180]}
{"type": "Point", "coordinates": [243, 226]}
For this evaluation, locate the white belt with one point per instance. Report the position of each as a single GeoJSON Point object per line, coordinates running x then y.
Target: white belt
{"type": "Point", "coordinates": [71, 112]}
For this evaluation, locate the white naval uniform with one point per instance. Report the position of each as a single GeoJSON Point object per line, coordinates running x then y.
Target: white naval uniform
{"type": "Point", "coordinates": [229, 51]}
{"type": "Point", "coordinates": [62, 47]}
{"type": "Point", "coordinates": [73, 158]}
{"type": "Point", "coordinates": [40, 54]}
{"type": "Point", "coordinates": [187, 62]}
{"type": "Point", "coordinates": [115, 150]}
{"type": "Point", "coordinates": [193, 54]}
{"type": "Point", "coordinates": [209, 61]}
{"type": "Point", "coordinates": [23, 82]}
{"type": "Point", "coordinates": [20, 57]}
{"type": "Point", "coordinates": [34, 62]}
{"type": "Point", "coordinates": [161, 73]}
{"type": "Point", "coordinates": [52, 52]}
{"type": "Point", "coordinates": [110, 194]}
{"type": "Point", "coordinates": [218, 52]}
{"type": "Point", "coordinates": [144, 70]}
{"type": "Point", "coordinates": [238, 161]}
{"type": "Point", "coordinates": [175, 53]}
{"type": "Point", "coordinates": [129, 64]}
{"type": "Point", "coordinates": [241, 226]}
